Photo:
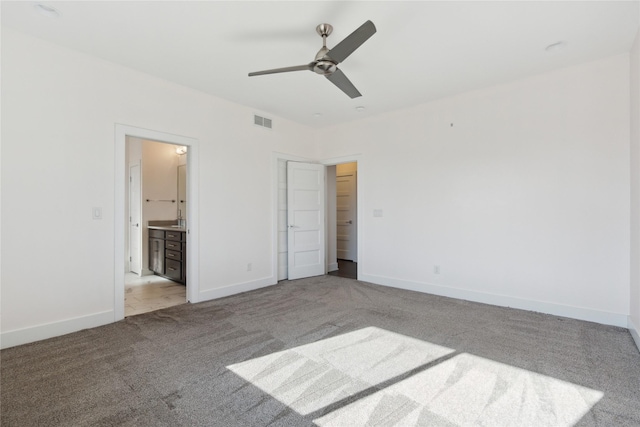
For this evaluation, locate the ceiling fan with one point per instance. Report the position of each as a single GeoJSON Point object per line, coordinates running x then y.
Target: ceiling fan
{"type": "Point", "coordinates": [327, 60]}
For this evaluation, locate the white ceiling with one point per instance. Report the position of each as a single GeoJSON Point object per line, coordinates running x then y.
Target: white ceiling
{"type": "Point", "coordinates": [423, 50]}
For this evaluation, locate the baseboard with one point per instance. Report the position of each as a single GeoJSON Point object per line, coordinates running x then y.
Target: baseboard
{"type": "Point", "coordinates": [590, 315]}
{"type": "Point", "coordinates": [635, 332]}
{"type": "Point", "coordinates": [333, 266]}
{"type": "Point", "coordinates": [50, 330]}
{"type": "Point", "coordinates": [236, 289]}
{"type": "Point", "coordinates": [54, 329]}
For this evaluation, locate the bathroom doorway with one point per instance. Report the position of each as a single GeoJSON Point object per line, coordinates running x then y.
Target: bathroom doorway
{"type": "Point", "coordinates": [168, 197]}
{"type": "Point", "coordinates": [156, 276]}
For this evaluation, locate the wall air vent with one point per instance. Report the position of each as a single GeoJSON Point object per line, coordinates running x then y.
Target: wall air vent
{"type": "Point", "coordinates": [262, 121]}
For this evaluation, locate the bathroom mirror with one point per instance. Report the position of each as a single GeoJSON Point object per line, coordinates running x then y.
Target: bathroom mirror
{"type": "Point", "coordinates": [182, 192]}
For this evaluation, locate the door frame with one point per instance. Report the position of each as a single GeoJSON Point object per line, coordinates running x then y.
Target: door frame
{"type": "Point", "coordinates": [121, 214]}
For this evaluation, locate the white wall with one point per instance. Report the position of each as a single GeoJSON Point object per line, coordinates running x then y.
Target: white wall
{"type": "Point", "coordinates": [634, 318]}
{"type": "Point", "coordinates": [59, 110]}
{"type": "Point", "coordinates": [519, 193]}
{"type": "Point", "coordinates": [524, 201]}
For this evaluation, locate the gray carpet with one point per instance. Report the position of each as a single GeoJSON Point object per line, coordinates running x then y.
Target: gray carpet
{"type": "Point", "coordinates": [328, 351]}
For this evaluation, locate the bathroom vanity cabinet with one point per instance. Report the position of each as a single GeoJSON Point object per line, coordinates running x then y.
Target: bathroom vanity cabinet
{"type": "Point", "coordinates": [167, 253]}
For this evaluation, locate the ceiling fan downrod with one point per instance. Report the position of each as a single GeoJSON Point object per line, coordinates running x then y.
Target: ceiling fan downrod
{"type": "Point", "coordinates": [323, 65]}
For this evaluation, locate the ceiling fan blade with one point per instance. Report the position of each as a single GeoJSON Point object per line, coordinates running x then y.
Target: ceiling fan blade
{"type": "Point", "coordinates": [353, 41]}
{"type": "Point", "coordinates": [339, 79]}
{"type": "Point", "coordinates": [284, 70]}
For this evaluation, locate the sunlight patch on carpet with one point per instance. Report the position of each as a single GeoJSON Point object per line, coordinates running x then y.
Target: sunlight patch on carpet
{"type": "Point", "coordinates": [375, 376]}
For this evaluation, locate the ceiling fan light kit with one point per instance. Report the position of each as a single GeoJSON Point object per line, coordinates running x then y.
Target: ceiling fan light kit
{"type": "Point", "coordinates": [327, 60]}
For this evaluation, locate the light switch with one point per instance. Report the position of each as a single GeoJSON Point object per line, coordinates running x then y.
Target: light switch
{"type": "Point", "coordinates": [377, 213]}
{"type": "Point", "coordinates": [97, 213]}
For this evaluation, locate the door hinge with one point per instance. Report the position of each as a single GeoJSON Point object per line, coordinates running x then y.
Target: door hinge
{"type": "Point", "coordinates": [130, 259]}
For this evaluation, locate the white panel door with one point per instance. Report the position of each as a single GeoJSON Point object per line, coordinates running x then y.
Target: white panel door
{"type": "Point", "coordinates": [346, 217]}
{"type": "Point", "coordinates": [135, 232]}
{"type": "Point", "coordinates": [305, 216]}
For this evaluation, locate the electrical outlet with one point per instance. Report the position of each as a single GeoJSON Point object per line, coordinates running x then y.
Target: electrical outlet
{"type": "Point", "coordinates": [249, 267]}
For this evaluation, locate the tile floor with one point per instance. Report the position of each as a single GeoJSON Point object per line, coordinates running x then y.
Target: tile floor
{"type": "Point", "coordinates": [150, 293]}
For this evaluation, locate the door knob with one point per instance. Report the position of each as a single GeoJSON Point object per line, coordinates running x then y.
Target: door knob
{"type": "Point", "coordinates": [349, 222]}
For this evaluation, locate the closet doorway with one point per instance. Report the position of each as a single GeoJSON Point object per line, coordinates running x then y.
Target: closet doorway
{"type": "Point", "coordinates": [344, 182]}
{"type": "Point", "coordinates": [346, 220]}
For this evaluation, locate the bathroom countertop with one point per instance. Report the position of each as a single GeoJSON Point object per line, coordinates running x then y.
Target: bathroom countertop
{"type": "Point", "coordinates": [167, 225]}
{"type": "Point", "coordinates": [167, 228]}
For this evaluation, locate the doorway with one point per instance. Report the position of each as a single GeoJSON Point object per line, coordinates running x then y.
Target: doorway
{"type": "Point", "coordinates": [122, 263]}
{"type": "Point", "coordinates": [349, 239]}
{"type": "Point", "coordinates": [346, 220]}
{"type": "Point", "coordinates": [157, 231]}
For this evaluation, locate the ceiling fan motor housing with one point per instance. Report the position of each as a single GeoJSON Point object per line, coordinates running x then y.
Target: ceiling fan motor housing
{"type": "Point", "coordinates": [324, 67]}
